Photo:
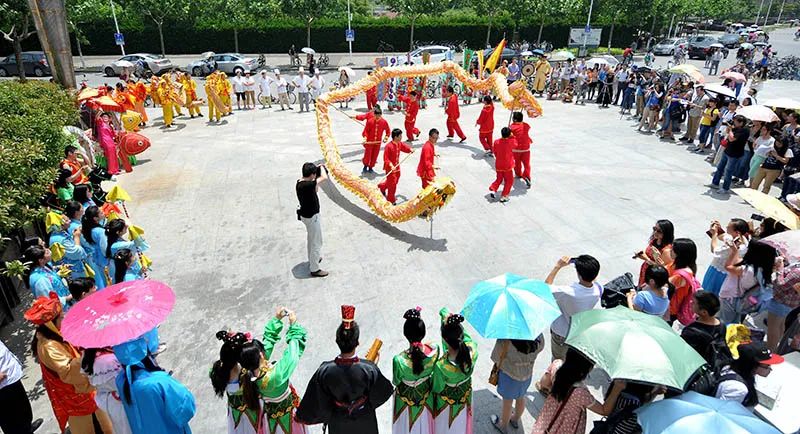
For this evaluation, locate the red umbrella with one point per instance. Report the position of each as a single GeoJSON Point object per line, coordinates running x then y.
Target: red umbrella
{"type": "Point", "coordinates": [118, 313]}
{"type": "Point", "coordinates": [104, 103]}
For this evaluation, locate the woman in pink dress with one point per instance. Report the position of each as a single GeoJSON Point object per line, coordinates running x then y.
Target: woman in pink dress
{"type": "Point", "coordinates": [659, 248]}
{"type": "Point", "coordinates": [105, 136]}
{"type": "Point", "coordinates": [564, 410]}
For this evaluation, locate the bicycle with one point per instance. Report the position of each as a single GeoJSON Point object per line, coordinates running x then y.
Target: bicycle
{"type": "Point", "coordinates": [384, 47]}
{"type": "Point", "coordinates": [323, 60]}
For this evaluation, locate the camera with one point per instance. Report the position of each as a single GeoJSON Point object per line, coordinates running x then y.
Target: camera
{"type": "Point", "coordinates": [757, 217]}
{"type": "Point", "coordinates": [319, 171]}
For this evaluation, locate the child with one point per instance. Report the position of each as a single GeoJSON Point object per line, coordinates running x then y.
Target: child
{"type": "Point", "coordinates": [485, 124]}
{"type": "Point", "coordinates": [503, 164]}
{"type": "Point", "coordinates": [522, 151]}
{"type": "Point", "coordinates": [580, 87]}
{"type": "Point", "coordinates": [567, 95]}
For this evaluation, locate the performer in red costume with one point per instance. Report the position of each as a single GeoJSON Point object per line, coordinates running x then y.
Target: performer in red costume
{"type": "Point", "coordinates": [391, 164]}
{"type": "Point", "coordinates": [503, 164]}
{"type": "Point", "coordinates": [372, 96]}
{"type": "Point", "coordinates": [376, 131]}
{"type": "Point", "coordinates": [412, 108]}
{"type": "Point", "coordinates": [426, 170]}
{"type": "Point", "coordinates": [452, 115]}
{"type": "Point", "coordinates": [522, 153]}
{"type": "Point", "coordinates": [485, 125]}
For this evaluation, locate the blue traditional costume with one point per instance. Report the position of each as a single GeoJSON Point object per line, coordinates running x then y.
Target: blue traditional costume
{"type": "Point", "coordinates": [155, 403]}
{"type": "Point", "coordinates": [96, 253]}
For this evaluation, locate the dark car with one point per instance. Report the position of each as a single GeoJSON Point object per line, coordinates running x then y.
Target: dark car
{"type": "Point", "coordinates": [35, 63]}
{"type": "Point", "coordinates": [700, 47]}
{"type": "Point", "coordinates": [730, 40]}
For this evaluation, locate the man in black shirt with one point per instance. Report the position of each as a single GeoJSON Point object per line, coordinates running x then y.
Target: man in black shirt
{"type": "Point", "coordinates": [308, 213]}
{"type": "Point", "coordinates": [734, 152]}
{"type": "Point", "coordinates": [707, 333]}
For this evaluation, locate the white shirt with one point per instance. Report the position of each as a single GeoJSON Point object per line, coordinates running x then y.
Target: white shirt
{"type": "Point", "coordinates": [264, 84]}
{"type": "Point", "coordinates": [731, 390]}
{"type": "Point", "coordinates": [763, 145]}
{"type": "Point", "coordinates": [281, 83]}
{"type": "Point", "coordinates": [9, 365]}
{"type": "Point", "coordinates": [302, 83]}
{"type": "Point", "coordinates": [717, 56]}
{"type": "Point", "coordinates": [622, 76]}
{"type": "Point", "coordinates": [318, 83]}
{"type": "Point", "coordinates": [238, 84]}
{"type": "Point", "coordinates": [249, 84]}
{"type": "Point", "coordinates": [571, 300]}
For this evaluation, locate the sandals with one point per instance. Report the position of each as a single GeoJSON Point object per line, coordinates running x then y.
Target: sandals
{"type": "Point", "coordinates": [496, 423]}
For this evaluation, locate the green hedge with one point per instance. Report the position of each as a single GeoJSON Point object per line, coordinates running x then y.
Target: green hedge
{"type": "Point", "coordinates": [275, 35]}
{"type": "Point", "coordinates": [32, 116]}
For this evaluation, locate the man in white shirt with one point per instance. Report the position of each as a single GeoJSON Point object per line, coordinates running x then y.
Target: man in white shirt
{"type": "Point", "coordinates": [622, 82]}
{"type": "Point", "coordinates": [715, 59]}
{"type": "Point", "coordinates": [239, 90]}
{"type": "Point", "coordinates": [16, 415]}
{"type": "Point", "coordinates": [578, 297]}
{"type": "Point", "coordinates": [317, 86]}
{"type": "Point", "coordinates": [283, 90]}
{"type": "Point", "coordinates": [264, 89]}
{"type": "Point", "coordinates": [302, 82]}
{"type": "Point", "coordinates": [696, 106]}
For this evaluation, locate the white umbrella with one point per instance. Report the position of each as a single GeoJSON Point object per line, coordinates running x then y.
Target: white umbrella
{"type": "Point", "coordinates": [784, 103]}
{"type": "Point", "coordinates": [526, 53]}
{"type": "Point", "coordinates": [348, 70]}
{"type": "Point", "coordinates": [597, 61]}
{"type": "Point", "coordinates": [717, 45]}
{"type": "Point", "coordinates": [308, 50]}
{"type": "Point", "coordinates": [610, 59]}
{"type": "Point", "coordinates": [747, 46]}
{"type": "Point", "coordinates": [564, 53]}
{"type": "Point", "coordinates": [720, 90]}
{"type": "Point", "coordinates": [757, 113]}
{"type": "Point", "coordinates": [207, 54]}
{"type": "Point", "coordinates": [124, 64]}
{"type": "Point", "coordinates": [760, 44]}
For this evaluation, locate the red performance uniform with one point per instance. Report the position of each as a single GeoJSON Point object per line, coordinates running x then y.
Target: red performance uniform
{"type": "Point", "coordinates": [503, 164]}
{"type": "Point", "coordinates": [522, 153]}
{"type": "Point", "coordinates": [374, 131]}
{"type": "Point", "coordinates": [391, 160]}
{"type": "Point", "coordinates": [412, 108]}
{"type": "Point", "coordinates": [425, 168]}
{"type": "Point", "coordinates": [372, 98]}
{"type": "Point", "coordinates": [485, 124]}
{"type": "Point", "coordinates": [75, 169]}
{"type": "Point", "coordinates": [452, 117]}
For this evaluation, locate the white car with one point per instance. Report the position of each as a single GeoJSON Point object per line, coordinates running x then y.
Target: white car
{"type": "Point", "coordinates": [437, 52]}
{"type": "Point", "coordinates": [156, 63]}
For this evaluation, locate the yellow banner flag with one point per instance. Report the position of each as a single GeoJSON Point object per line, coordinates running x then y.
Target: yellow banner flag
{"type": "Point", "coordinates": [479, 55]}
{"type": "Point", "coordinates": [491, 63]}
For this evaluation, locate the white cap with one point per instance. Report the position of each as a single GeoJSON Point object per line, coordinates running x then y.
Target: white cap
{"type": "Point", "coordinates": [300, 69]}
{"type": "Point", "coordinates": [276, 71]}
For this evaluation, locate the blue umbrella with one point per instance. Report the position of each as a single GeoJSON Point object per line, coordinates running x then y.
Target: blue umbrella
{"type": "Point", "coordinates": [510, 307]}
{"type": "Point", "coordinates": [692, 413]}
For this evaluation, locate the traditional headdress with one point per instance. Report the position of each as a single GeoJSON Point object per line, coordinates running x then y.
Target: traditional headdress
{"type": "Point", "coordinates": [348, 316]}
{"type": "Point", "coordinates": [44, 309]}
{"type": "Point", "coordinates": [414, 313]}
{"type": "Point", "coordinates": [454, 319]}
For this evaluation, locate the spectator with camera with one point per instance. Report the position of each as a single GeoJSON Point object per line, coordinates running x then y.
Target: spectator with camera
{"type": "Point", "coordinates": [308, 213]}
{"type": "Point", "coordinates": [580, 296]}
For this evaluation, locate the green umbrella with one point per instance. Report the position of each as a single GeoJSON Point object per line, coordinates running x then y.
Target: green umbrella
{"type": "Point", "coordinates": [635, 346]}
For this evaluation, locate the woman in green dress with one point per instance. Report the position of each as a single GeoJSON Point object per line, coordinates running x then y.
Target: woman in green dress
{"type": "Point", "coordinates": [268, 395]}
{"type": "Point", "coordinates": [452, 377]}
{"type": "Point", "coordinates": [412, 377]}
{"type": "Point", "coordinates": [225, 375]}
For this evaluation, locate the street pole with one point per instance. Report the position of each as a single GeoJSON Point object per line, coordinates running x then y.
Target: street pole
{"type": "Point", "coordinates": [758, 15]}
{"type": "Point", "coordinates": [349, 29]}
{"type": "Point", "coordinates": [116, 25]}
{"type": "Point", "coordinates": [766, 18]}
{"type": "Point", "coordinates": [780, 14]}
{"type": "Point", "coordinates": [588, 26]}
{"type": "Point", "coordinates": [669, 32]}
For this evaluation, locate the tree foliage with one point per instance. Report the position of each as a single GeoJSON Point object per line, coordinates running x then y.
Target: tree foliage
{"type": "Point", "coordinates": [16, 25]}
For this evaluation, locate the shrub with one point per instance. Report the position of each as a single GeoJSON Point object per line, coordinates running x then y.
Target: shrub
{"type": "Point", "coordinates": [32, 116]}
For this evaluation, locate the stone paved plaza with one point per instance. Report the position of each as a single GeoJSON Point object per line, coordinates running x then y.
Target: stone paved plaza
{"type": "Point", "coordinates": [217, 203]}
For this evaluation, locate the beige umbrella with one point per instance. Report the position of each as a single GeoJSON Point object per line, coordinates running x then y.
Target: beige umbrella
{"type": "Point", "coordinates": [757, 113]}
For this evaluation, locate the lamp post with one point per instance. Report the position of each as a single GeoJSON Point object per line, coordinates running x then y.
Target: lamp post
{"type": "Point", "coordinates": [349, 29]}
{"type": "Point", "coordinates": [588, 30]}
{"type": "Point", "coordinates": [116, 25]}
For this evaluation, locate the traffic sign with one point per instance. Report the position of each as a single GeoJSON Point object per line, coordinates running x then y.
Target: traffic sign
{"type": "Point", "coordinates": [119, 39]}
{"type": "Point", "coordinates": [349, 35]}
{"type": "Point", "coordinates": [587, 29]}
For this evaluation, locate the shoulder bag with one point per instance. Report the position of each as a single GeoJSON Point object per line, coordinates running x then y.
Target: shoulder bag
{"type": "Point", "coordinates": [494, 376]}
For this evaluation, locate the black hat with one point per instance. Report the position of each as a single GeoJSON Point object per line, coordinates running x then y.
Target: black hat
{"type": "Point", "coordinates": [758, 351]}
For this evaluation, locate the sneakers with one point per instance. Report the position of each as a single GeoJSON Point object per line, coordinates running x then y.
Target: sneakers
{"type": "Point", "coordinates": [527, 182]}
{"type": "Point", "coordinates": [365, 169]}
{"type": "Point", "coordinates": [492, 194]}
{"type": "Point", "coordinates": [488, 154]}
{"type": "Point", "coordinates": [496, 424]}
{"type": "Point", "coordinates": [463, 139]}
{"type": "Point", "coordinates": [723, 191]}
{"type": "Point", "coordinates": [684, 139]}
{"type": "Point", "coordinates": [504, 199]}
{"type": "Point", "coordinates": [319, 273]}
{"type": "Point", "coordinates": [36, 424]}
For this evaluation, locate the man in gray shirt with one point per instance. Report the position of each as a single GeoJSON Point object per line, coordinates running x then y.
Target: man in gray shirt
{"type": "Point", "coordinates": [696, 105]}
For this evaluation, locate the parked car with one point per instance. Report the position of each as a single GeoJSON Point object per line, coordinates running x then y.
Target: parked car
{"type": "Point", "coordinates": [507, 54]}
{"type": "Point", "coordinates": [729, 40]}
{"type": "Point", "coordinates": [667, 46]}
{"type": "Point", "coordinates": [229, 63]}
{"type": "Point", "coordinates": [437, 52]}
{"type": "Point", "coordinates": [35, 63]}
{"type": "Point", "coordinates": [699, 47]}
{"type": "Point", "coordinates": [156, 63]}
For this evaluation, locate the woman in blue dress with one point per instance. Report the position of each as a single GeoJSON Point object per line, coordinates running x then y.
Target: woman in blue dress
{"type": "Point", "coordinates": [74, 254]}
{"type": "Point", "coordinates": [44, 279]}
{"type": "Point", "coordinates": [116, 241]}
{"type": "Point", "coordinates": [126, 267]}
{"type": "Point", "coordinates": [93, 240]}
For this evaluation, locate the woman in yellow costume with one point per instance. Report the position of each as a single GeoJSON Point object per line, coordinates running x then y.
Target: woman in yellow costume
{"type": "Point", "coordinates": [224, 90]}
{"type": "Point", "coordinates": [176, 107]}
{"type": "Point", "coordinates": [190, 89]}
{"type": "Point", "coordinates": [165, 91]}
{"type": "Point", "coordinates": [154, 82]}
{"type": "Point", "coordinates": [543, 68]}
{"type": "Point", "coordinates": [215, 106]}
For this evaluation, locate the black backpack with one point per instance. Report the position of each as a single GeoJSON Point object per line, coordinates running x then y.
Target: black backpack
{"type": "Point", "coordinates": [709, 376]}
{"type": "Point", "coordinates": [615, 292]}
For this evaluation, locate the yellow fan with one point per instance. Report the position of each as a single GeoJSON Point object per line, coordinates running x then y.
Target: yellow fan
{"type": "Point", "coordinates": [57, 252]}
{"type": "Point", "coordinates": [146, 262]}
{"type": "Point", "coordinates": [52, 219]}
{"type": "Point", "coordinates": [64, 271]}
{"type": "Point", "coordinates": [118, 193]}
{"type": "Point", "coordinates": [135, 232]}
{"type": "Point", "coordinates": [88, 270]}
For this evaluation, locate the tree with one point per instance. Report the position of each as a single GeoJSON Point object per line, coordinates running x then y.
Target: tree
{"type": "Point", "coordinates": [15, 16]}
{"type": "Point", "coordinates": [85, 12]}
{"type": "Point", "coordinates": [308, 10]}
{"type": "Point", "coordinates": [229, 15]}
{"type": "Point", "coordinates": [489, 9]}
{"type": "Point", "coordinates": [413, 9]}
{"type": "Point", "coordinates": [158, 11]}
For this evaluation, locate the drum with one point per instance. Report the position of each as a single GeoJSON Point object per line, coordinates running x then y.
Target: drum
{"type": "Point", "coordinates": [529, 69]}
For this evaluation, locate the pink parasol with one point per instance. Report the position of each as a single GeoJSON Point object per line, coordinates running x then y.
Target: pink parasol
{"type": "Point", "coordinates": [736, 76]}
{"type": "Point", "coordinates": [787, 243]}
{"type": "Point", "coordinates": [118, 313]}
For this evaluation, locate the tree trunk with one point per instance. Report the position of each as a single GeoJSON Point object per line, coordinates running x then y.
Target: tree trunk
{"type": "Point", "coordinates": [18, 56]}
{"type": "Point", "coordinates": [160, 25]}
{"type": "Point", "coordinates": [50, 18]}
{"type": "Point", "coordinates": [236, 40]}
{"type": "Point", "coordinates": [489, 30]}
{"type": "Point", "coordinates": [652, 30]}
{"type": "Point", "coordinates": [611, 35]}
{"type": "Point", "coordinates": [308, 33]}
{"type": "Point", "coordinates": [541, 26]}
{"type": "Point", "coordinates": [411, 38]}
{"type": "Point", "coordinates": [80, 52]}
